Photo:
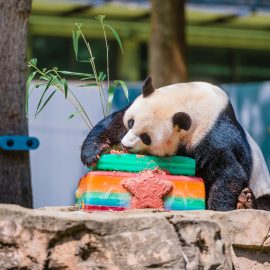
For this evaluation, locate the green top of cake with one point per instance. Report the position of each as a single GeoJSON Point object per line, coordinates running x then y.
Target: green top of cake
{"type": "Point", "coordinates": [177, 165]}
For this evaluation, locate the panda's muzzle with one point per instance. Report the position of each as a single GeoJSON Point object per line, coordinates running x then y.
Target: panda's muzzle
{"type": "Point", "coordinates": [130, 140]}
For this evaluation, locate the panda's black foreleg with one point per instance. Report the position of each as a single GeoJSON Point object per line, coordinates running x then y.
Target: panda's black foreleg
{"type": "Point", "coordinates": [226, 186]}
{"type": "Point", "coordinates": [105, 134]}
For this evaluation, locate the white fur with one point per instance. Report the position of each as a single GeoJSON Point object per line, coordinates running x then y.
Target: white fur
{"type": "Point", "coordinates": [202, 101]}
{"type": "Point", "coordinates": [260, 178]}
{"type": "Point", "coordinates": [132, 140]}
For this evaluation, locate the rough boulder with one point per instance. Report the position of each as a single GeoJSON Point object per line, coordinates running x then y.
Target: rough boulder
{"type": "Point", "coordinates": [66, 238]}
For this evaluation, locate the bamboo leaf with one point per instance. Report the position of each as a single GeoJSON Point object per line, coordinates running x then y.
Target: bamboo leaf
{"type": "Point", "coordinates": [100, 18]}
{"type": "Point", "coordinates": [87, 78]}
{"type": "Point", "coordinates": [88, 85]}
{"type": "Point", "coordinates": [44, 78]}
{"type": "Point", "coordinates": [79, 25]}
{"type": "Point", "coordinates": [65, 85]}
{"type": "Point", "coordinates": [116, 37]}
{"type": "Point", "coordinates": [110, 94]}
{"type": "Point", "coordinates": [102, 76]}
{"type": "Point", "coordinates": [84, 61]}
{"type": "Point", "coordinates": [28, 82]}
{"type": "Point", "coordinates": [42, 96]}
{"type": "Point", "coordinates": [47, 100]}
{"type": "Point", "coordinates": [75, 40]}
{"type": "Point", "coordinates": [50, 82]}
{"type": "Point", "coordinates": [75, 44]}
{"type": "Point", "coordinates": [33, 61]}
{"type": "Point", "coordinates": [48, 72]}
{"type": "Point", "coordinates": [124, 87]}
{"type": "Point", "coordinates": [76, 74]}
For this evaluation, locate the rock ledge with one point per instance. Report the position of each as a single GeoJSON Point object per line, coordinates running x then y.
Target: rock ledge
{"type": "Point", "coordinates": [65, 238]}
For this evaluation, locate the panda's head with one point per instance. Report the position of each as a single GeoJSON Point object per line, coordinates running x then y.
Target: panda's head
{"type": "Point", "coordinates": [154, 124]}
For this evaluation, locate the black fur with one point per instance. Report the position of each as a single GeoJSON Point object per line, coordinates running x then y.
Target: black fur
{"type": "Point", "coordinates": [182, 120]}
{"type": "Point", "coordinates": [148, 87]}
{"type": "Point", "coordinates": [223, 157]}
{"type": "Point", "coordinates": [248, 155]}
{"type": "Point", "coordinates": [224, 161]}
{"type": "Point", "coordinates": [146, 139]}
{"type": "Point", "coordinates": [105, 134]}
{"type": "Point", "coordinates": [130, 123]}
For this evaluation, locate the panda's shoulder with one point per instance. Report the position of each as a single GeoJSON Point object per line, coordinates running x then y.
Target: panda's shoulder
{"type": "Point", "coordinates": [224, 136]}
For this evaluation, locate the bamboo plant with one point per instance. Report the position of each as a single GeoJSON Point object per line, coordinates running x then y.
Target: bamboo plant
{"type": "Point", "coordinates": [54, 78]}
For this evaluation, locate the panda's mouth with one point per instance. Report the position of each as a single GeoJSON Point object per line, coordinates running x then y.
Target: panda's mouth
{"type": "Point", "coordinates": [144, 152]}
{"type": "Point", "coordinates": [135, 151]}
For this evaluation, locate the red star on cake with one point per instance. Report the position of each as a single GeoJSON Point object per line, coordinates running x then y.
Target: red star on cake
{"type": "Point", "coordinates": [147, 190]}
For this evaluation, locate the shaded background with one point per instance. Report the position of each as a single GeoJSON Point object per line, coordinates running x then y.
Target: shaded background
{"type": "Point", "coordinates": [228, 43]}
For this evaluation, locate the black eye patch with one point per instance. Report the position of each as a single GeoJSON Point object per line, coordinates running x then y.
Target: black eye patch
{"type": "Point", "coordinates": [130, 123]}
{"type": "Point", "coordinates": [145, 138]}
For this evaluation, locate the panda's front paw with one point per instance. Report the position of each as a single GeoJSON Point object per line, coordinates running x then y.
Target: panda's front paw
{"type": "Point", "coordinates": [90, 154]}
{"type": "Point", "coordinates": [90, 158]}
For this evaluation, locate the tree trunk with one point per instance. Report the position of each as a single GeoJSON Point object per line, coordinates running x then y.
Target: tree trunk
{"type": "Point", "coordinates": [15, 180]}
{"type": "Point", "coordinates": [167, 47]}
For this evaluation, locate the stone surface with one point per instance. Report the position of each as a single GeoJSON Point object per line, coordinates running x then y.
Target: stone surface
{"type": "Point", "coordinates": [65, 238]}
{"type": "Point", "coordinates": [248, 231]}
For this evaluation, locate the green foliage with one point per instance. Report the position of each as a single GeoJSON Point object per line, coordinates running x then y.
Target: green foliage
{"type": "Point", "coordinates": [116, 37]}
{"type": "Point", "coordinates": [29, 80]}
{"type": "Point", "coordinates": [40, 104]}
{"type": "Point", "coordinates": [53, 78]}
{"type": "Point", "coordinates": [75, 40]}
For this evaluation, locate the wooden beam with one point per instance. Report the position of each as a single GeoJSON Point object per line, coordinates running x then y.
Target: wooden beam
{"type": "Point", "coordinates": [52, 7]}
{"type": "Point", "coordinates": [228, 38]}
{"type": "Point", "coordinates": [59, 26]}
{"type": "Point", "coordinates": [206, 36]}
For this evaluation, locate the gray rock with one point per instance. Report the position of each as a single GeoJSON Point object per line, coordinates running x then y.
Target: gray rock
{"type": "Point", "coordinates": [65, 238]}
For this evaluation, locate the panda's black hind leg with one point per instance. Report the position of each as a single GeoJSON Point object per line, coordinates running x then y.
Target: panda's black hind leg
{"type": "Point", "coordinates": [246, 200]}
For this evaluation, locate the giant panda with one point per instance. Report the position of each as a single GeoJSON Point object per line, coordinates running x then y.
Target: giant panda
{"type": "Point", "coordinates": [193, 119]}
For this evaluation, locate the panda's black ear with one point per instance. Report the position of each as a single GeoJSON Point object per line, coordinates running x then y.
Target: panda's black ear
{"type": "Point", "coordinates": [148, 87]}
{"type": "Point", "coordinates": [182, 120]}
